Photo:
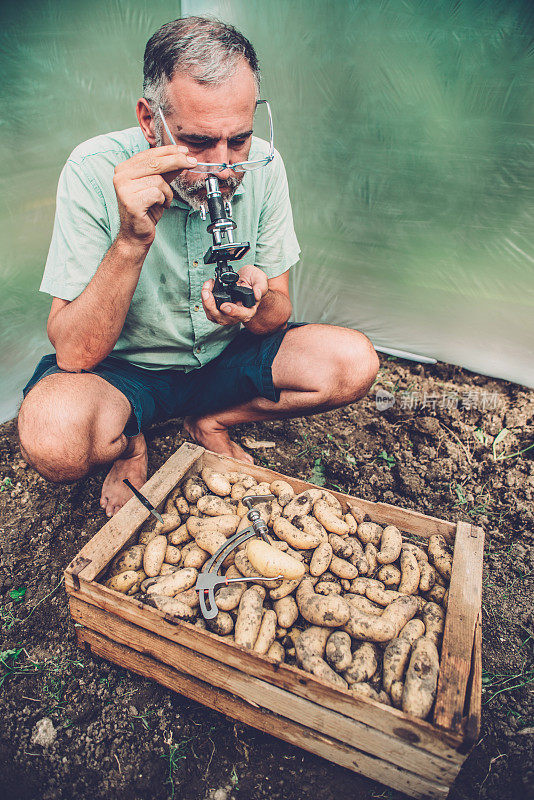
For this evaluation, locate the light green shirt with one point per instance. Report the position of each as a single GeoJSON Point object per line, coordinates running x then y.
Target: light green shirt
{"type": "Point", "coordinates": [166, 326]}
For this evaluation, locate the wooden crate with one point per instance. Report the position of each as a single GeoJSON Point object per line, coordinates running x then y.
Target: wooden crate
{"type": "Point", "coordinates": [414, 756]}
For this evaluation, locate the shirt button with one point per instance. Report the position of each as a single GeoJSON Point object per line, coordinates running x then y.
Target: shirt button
{"type": "Point", "coordinates": [196, 308]}
{"type": "Point", "coordinates": [198, 349]}
{"type": "Point", "coordinates": [195, 263]}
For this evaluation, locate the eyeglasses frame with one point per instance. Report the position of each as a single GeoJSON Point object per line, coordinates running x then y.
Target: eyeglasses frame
{"type": "Point", "coordinates": [220, 167]}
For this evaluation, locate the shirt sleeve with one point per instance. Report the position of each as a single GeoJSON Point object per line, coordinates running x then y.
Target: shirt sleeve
{"type": "Point", "coordinates": [277, 248]}
{"type": "Point", "coordinates": [81, 236]}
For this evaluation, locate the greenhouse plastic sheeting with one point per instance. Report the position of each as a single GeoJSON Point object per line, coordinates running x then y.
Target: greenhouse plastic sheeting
{"type": "Point", "coordinates": [407, 132]}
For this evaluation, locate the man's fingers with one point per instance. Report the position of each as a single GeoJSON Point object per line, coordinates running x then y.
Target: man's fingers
{"type": "Point", "coordinates": [156, 161]}
{"type": "Point", "coordinates": [160, 183]}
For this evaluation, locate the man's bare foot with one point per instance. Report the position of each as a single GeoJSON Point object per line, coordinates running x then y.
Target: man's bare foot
{"type": "Point", "coordinates": [210, 434]}
{"type": "Point", "coordinates": [133, 465]}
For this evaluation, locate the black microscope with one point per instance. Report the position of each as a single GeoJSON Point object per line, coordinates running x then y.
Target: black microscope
{"type": "Point", "coordinates": [225, 289]}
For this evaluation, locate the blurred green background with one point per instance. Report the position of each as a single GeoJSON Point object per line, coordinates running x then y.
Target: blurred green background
{"type": "Point", "coordinates": [407, 129]}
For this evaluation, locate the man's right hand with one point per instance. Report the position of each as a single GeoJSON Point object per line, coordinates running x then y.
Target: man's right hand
{"type": "Point", "coordinates": [143, 191]}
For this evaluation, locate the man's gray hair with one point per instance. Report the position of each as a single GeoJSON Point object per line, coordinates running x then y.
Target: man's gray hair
{"type": "Point", "coordinates": [208, 50]}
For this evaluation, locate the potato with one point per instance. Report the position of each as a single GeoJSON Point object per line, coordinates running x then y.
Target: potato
{"type": "Point", "coordinates": [390, 545]}
{"type": "Point", "coordinates": [235, 477]}
{"type": "Point", "coordinates": [129, 559]}
{"type": "Point", "coordinates": [328, 587]}
{"type": "Point", "coordinates": [123, 581]}
{"type": "Point", "coordinates": [238, 491]}
{"type": "Point", "coordinates": [276, 652]}
{"type": "Point", "coordinates": [321, 559]}
{"type": "Point", "coordinates": [146, 536]}
{"type": "Point", "coordinates": [267, 633]}
{"type": "Point", "coordinates": [356, 511]}
{"type": "Point", "coordinates": [154, 555]}
{"type": "Point", "coordinates": [244, 566]}
{"type": "Point", "coordinates": [338, 652]}
{"type": "Point", "coordinates": [385, 627]}
{"type": "Point", "coordinates": [271, 562]}
{"type": "Point", "coordinates": [173, 607]}
{"type": "Point", "coordinates": [365, 690]}
{"type": "Point", "coordinates": [195, 557]}
{"type": "Point", "coordinates": [286, 611]}
{"type": "Point", "coordinates": [180, 536]}
{"type": "Point", "coordinates": [309, 524]}
{"type": "Point", "coordinates": [167, 569]}
{"type": "Point", "coordinates": [299, 506]}
{"type": "Point", "coordinates": [210, 541]}
{"type": "Point", "coordinates": [434, 620]}
{"type": "Point", "coordinates": [261, 590]}
{"type": "Point", "coordinates": [283, 491]}
{"type": "Point", "coordinates": [360, 585]}
{"type": "Point", "coordinates": [170, 585]}
{"type": "Point", "coordinates": [340, 546]}
{"type": "Point", "coordinates": [411, 573]}
{"type": "Point", "coordinates": [427, 576]}
{"type": "Point", "coordinates": [369, 532]}
{"type": "Point", "coordinates": [413, 630]}
{"type": "Point", "coordinates": [363, 664]}
{"type": "Point", "coordinates": [248, 620]}
{"type": "Point", "coordinates": [421, 679]}
{"type": "Point", "coordinates": [418, 552]}
{"type": "Point", "coordinates": [363, 604]}
{"type": "Point", "coordinates": [318, 667]}
{"type": "Point", "coordinates": [214, 506]}
{"type": "Point", "coordinates": [263, 509]}
{"type": "Point", "coordinates": [194, 488]}
{"type": "Point", "coordinates": [225, 524]}
{"type": "Point", "coordinates": [182, 506]}
{"type": "Point", "coordinates": [189, 597]}
{"type": "Point", "coordinates": [377, 594]}
{"type": "Point", "coordinates": [351, 522]}
{"type": "Point", "coordinates": [141, 576]}
{"type": "Point", "coordinates": [228, 597]}
{"type": "Point", "coordinates": [397, 688]}
{"type": "Point", "coordinates": [171, 521]}
{"type": "Point", "coordinates": [401, 611]}
{"type": "Point", "coordinates": [342, 568]}
{"type": "Point", "coordinates": [371, 554]}
{"type": "Point", "coordinates": [395, 661]}
{"type": "Point", "coordinates": [328, 518]}
{"type": "Point", "coordinates": [285, 588]}
{"type": "Point", "coordinates": [358, 557]}
{"type": "Point", "coordinates": [222, 624]}
{"type": "Point", "coordinates": [437, 594]}
{"type": "Point", "coordinates": [439, 556]}
{"type": "Point", "coordinates": [320, 610]}
{"type": "Point", "coordinates": [216, 482]}
{"type": "Point", "coordinates": [293, 536]}
{"type": "Point", "coordinates": [390, 575]}
{"type": "Point", "coordinates": [173, 555]}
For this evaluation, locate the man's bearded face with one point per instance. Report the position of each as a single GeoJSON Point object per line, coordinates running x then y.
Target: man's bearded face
{"type": "Point", "coordinates": [215, 123]}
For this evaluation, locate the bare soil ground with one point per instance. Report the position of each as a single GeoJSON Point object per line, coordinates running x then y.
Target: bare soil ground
{"type": "Point", "coordinates": [116, 736]}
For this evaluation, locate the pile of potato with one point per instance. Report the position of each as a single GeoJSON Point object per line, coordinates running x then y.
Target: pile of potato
{"type": "Point", "coordinates": [357, 606]}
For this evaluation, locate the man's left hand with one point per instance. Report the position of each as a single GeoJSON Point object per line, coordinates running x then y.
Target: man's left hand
{"type": "Point", "coordinates": [235, 313]}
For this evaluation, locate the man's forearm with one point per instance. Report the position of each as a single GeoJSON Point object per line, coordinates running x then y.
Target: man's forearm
{"type": "Point", "coordinates": [273, 312]}
{"type": "Point", "coordinates": [86, 330]}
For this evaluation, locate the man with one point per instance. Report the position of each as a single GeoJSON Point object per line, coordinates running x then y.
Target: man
{"type": "Point", "coordinates": [136, 332]}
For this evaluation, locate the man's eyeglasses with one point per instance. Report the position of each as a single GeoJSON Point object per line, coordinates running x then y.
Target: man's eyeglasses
{"type": "Point", "coordinates": [243, 166]}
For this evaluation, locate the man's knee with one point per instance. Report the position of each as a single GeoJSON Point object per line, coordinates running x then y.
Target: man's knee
{"type": "Point", "coordinates": [356, 365]}
{"type": "Point", "coordinates": [59, 431]}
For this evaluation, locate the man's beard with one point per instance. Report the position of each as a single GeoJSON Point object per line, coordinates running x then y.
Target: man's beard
{"type": "Point", "coordinates": [194, 194]}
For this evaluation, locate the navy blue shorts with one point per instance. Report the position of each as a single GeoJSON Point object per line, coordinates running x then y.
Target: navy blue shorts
{"type": "Point", "coordinates": [242, 371]}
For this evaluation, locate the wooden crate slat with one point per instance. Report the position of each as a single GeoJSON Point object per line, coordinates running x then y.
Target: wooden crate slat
{"type": "Point", "coordinates": [390, 720]}
{"type": "Point", "coordinates": [293, 733]}
{"type": "Point", "coordinates": [465, 598]}
{"type": "Point", "coordinates": [474, 713]}
{"type": "Point", "coordinates": [410, 521]}
{"type": "Point", "coordinates": [114, 534]}
{"type": "Point", "coordinates": [279, 701]}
